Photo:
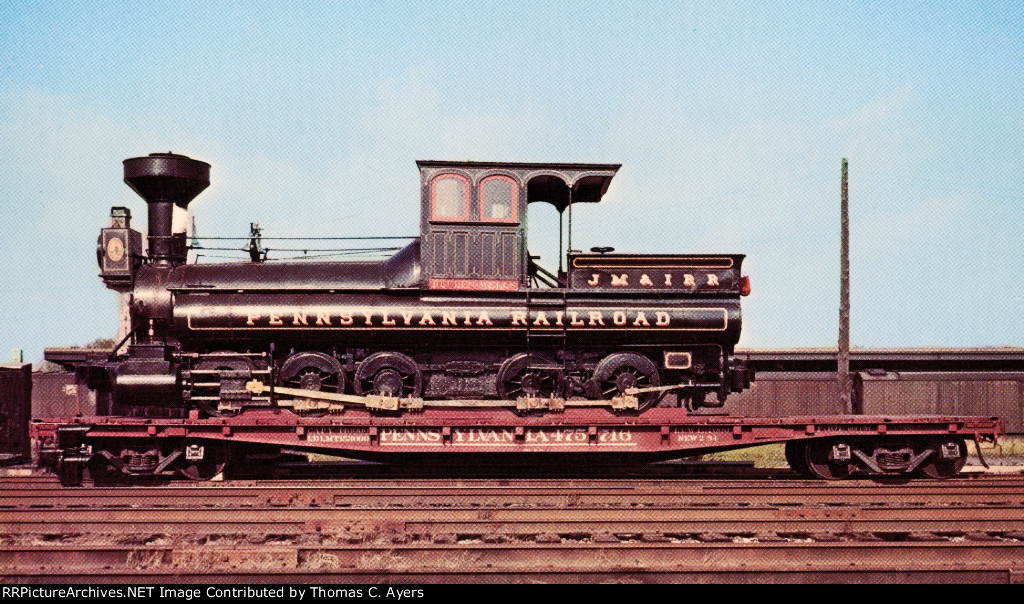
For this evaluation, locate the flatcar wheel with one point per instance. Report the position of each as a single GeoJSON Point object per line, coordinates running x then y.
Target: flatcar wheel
{"type": "Point", "coordinates": [941, 466]}
{"type": "Point", "coordinates": [101, 471]}
{"type": "Point", "coordinates": [824, 463]}
{"type": "Point", "coordinates": [796, 457]}
{"type": "Point", "coordinates": [70, 473]}
{"type": "Point", "coordinates": [210, 460]}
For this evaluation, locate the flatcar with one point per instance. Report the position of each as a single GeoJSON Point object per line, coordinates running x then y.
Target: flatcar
{"type": "Point", "coordinates": [461, 316]}
{"type": "Point", "coordinates": [457, 345]}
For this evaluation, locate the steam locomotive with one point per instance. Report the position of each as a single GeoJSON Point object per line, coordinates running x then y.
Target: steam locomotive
{"type": "Point", "coordinates": [462, 316]}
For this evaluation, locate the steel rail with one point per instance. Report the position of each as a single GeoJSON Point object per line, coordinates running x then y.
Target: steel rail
{"type": "Point", "coordinates": [742, 575]}
{"type": "Point", "coordinates": [996, 560]}
{"type": "Point", "coordinates": [520, 493]}
{"type": "Point", "coordinates": [358, 497]}
{"type": "Point", "coordinates": [723, 482]}
{"type": "Point", "coordinates": [474, 520]}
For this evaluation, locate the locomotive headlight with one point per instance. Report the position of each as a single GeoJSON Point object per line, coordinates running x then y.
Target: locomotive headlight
{"type": "Point", "coordinates": [115, 249]}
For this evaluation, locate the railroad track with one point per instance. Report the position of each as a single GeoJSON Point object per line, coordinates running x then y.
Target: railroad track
{"type": "Point", "coordinates": [515, 530]}
{"type": "Point", "coordinates": [46, 492]}
{"type": "Point", "coordinates": [488, 496]}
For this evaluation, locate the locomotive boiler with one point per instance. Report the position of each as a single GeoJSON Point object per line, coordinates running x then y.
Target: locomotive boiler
{"type": "Point", "coordinates": [462, 316]}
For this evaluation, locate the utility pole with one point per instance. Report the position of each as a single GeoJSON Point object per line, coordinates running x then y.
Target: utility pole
{"type": "Point", "coordinates": [844, 297]}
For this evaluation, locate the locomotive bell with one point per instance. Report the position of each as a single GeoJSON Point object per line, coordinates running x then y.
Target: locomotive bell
{"type": "Point", "coordinates": [165, 180]}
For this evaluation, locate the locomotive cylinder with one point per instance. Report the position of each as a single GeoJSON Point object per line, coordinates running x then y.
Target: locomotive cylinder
{"type": "Point", "coordinates": [155, 389]}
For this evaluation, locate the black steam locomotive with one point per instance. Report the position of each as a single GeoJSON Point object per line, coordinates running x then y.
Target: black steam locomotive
{"type": "Point", "coordinates": [463, 316]}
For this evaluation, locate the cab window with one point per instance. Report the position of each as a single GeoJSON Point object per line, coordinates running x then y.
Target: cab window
{"type": "Point", "coordinates": [449, 194]}
{"type": "Point", "coordinates": [498, 199]}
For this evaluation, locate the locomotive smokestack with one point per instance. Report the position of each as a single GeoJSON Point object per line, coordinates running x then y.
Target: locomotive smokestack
{"type": "Point", "coordinates": [165, 180]}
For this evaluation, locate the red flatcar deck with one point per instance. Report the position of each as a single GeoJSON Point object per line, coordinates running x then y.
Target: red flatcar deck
{"type": "Point", "coordinates": [656, 434]}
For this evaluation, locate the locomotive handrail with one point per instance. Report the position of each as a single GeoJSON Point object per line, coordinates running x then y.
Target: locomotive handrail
{"type": "Point", "coordinates": [544, 276]}
{"type": "Point", "coordinates": [353, 238]}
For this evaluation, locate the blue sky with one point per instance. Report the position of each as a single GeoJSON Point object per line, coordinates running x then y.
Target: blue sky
{"type": "Point", "coordinates": [730, 120]}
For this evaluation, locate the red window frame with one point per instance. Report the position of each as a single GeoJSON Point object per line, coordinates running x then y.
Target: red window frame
{"type": "Point", "coordinates": [465, 199]}
{"type": "Point", "coordinates": [514, 217]}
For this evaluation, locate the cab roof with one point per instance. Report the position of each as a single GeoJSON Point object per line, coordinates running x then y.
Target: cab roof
{"type": "Point", "coordinates": [552, 182]}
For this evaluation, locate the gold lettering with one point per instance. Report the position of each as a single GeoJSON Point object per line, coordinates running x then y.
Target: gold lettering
{"type": "Point", "coordinates": [427, 319]}
{"type": "Point", "coordinates": [619, 317]}
{"type": "Point", "coordinates": [387, 320]}
{"type": "Point", "coordinates": [575, 319]}
{"type": "Point", "coordinates": [345, 318]}
{"type": "Point", "coordinates": [541, 319]}
{"type": "Point", "coordinates": [668, 279]}
{"type": "Point", "coordinates": [484, 318]}
{"type": "Point", "coordinates": [688, 281]}
{"type": "Point", "coordinates": [252, 319]}
{"type": "Point", "coordinates": [596, 318]}
{"type": "Point", "coordinates": [518, 317]}
{"type": "Point", "coordinates": [448, 317]}
{"type": "Point", "coordinates": [663, 318]}
{"type": "Point", "coordinates": [323, 318]}
{"type": "Point", "coordinates": [645, 280]}
{"type": "Point", "coordinates": [407, 317]}
{"type": "Point", "coordinates": [537, 437]}
{"type": "Point", "coordinates": [469, 319]}
{"type": "Point", "coordinates": [595, 278]}
{"type": "Point", "coordinates": [276, 320]}
{"type": "Point", "coordinates": [712, 279]}
{"type": "Point", "coordinates": [641, 319]}
{"type": "Point", "coordinates": [558, 317]}
{"type": "Point", "coordinates": [368, 314]}
{"type": "Point", "coordinates": [620, 280]}
{"type": "Point", "coordinates": [298, 317]}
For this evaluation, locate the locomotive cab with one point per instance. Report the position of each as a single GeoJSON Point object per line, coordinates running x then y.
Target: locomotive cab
{"type": "Point", "coordinates": [474, 214]}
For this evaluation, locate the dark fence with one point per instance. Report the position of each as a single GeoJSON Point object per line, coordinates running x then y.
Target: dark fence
{"type": "Point", "coordinates": [55, 394]}
{"type": "Point", "coordinates": [15, 408]}
{"type": "Point", "coordinates": [779, 394]}
{"type": "Point", "coordinates": [946, 393]}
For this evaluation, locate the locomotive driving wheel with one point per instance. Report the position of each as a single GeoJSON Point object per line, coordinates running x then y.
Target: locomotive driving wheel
{"type": "Point", "coordinates": [313, 371]}
{"type": "Point", "coordinates": [312, 378]}
{"type": "Point", "coordinates": [527, 375]}
{"type": "Point", "coordinates": [389, 374]}
{"type": "Point", "coordinates": [620, 372]}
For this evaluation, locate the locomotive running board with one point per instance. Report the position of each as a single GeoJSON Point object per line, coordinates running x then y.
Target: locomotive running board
{"type": "Point", "coordinates": [313, 400]}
